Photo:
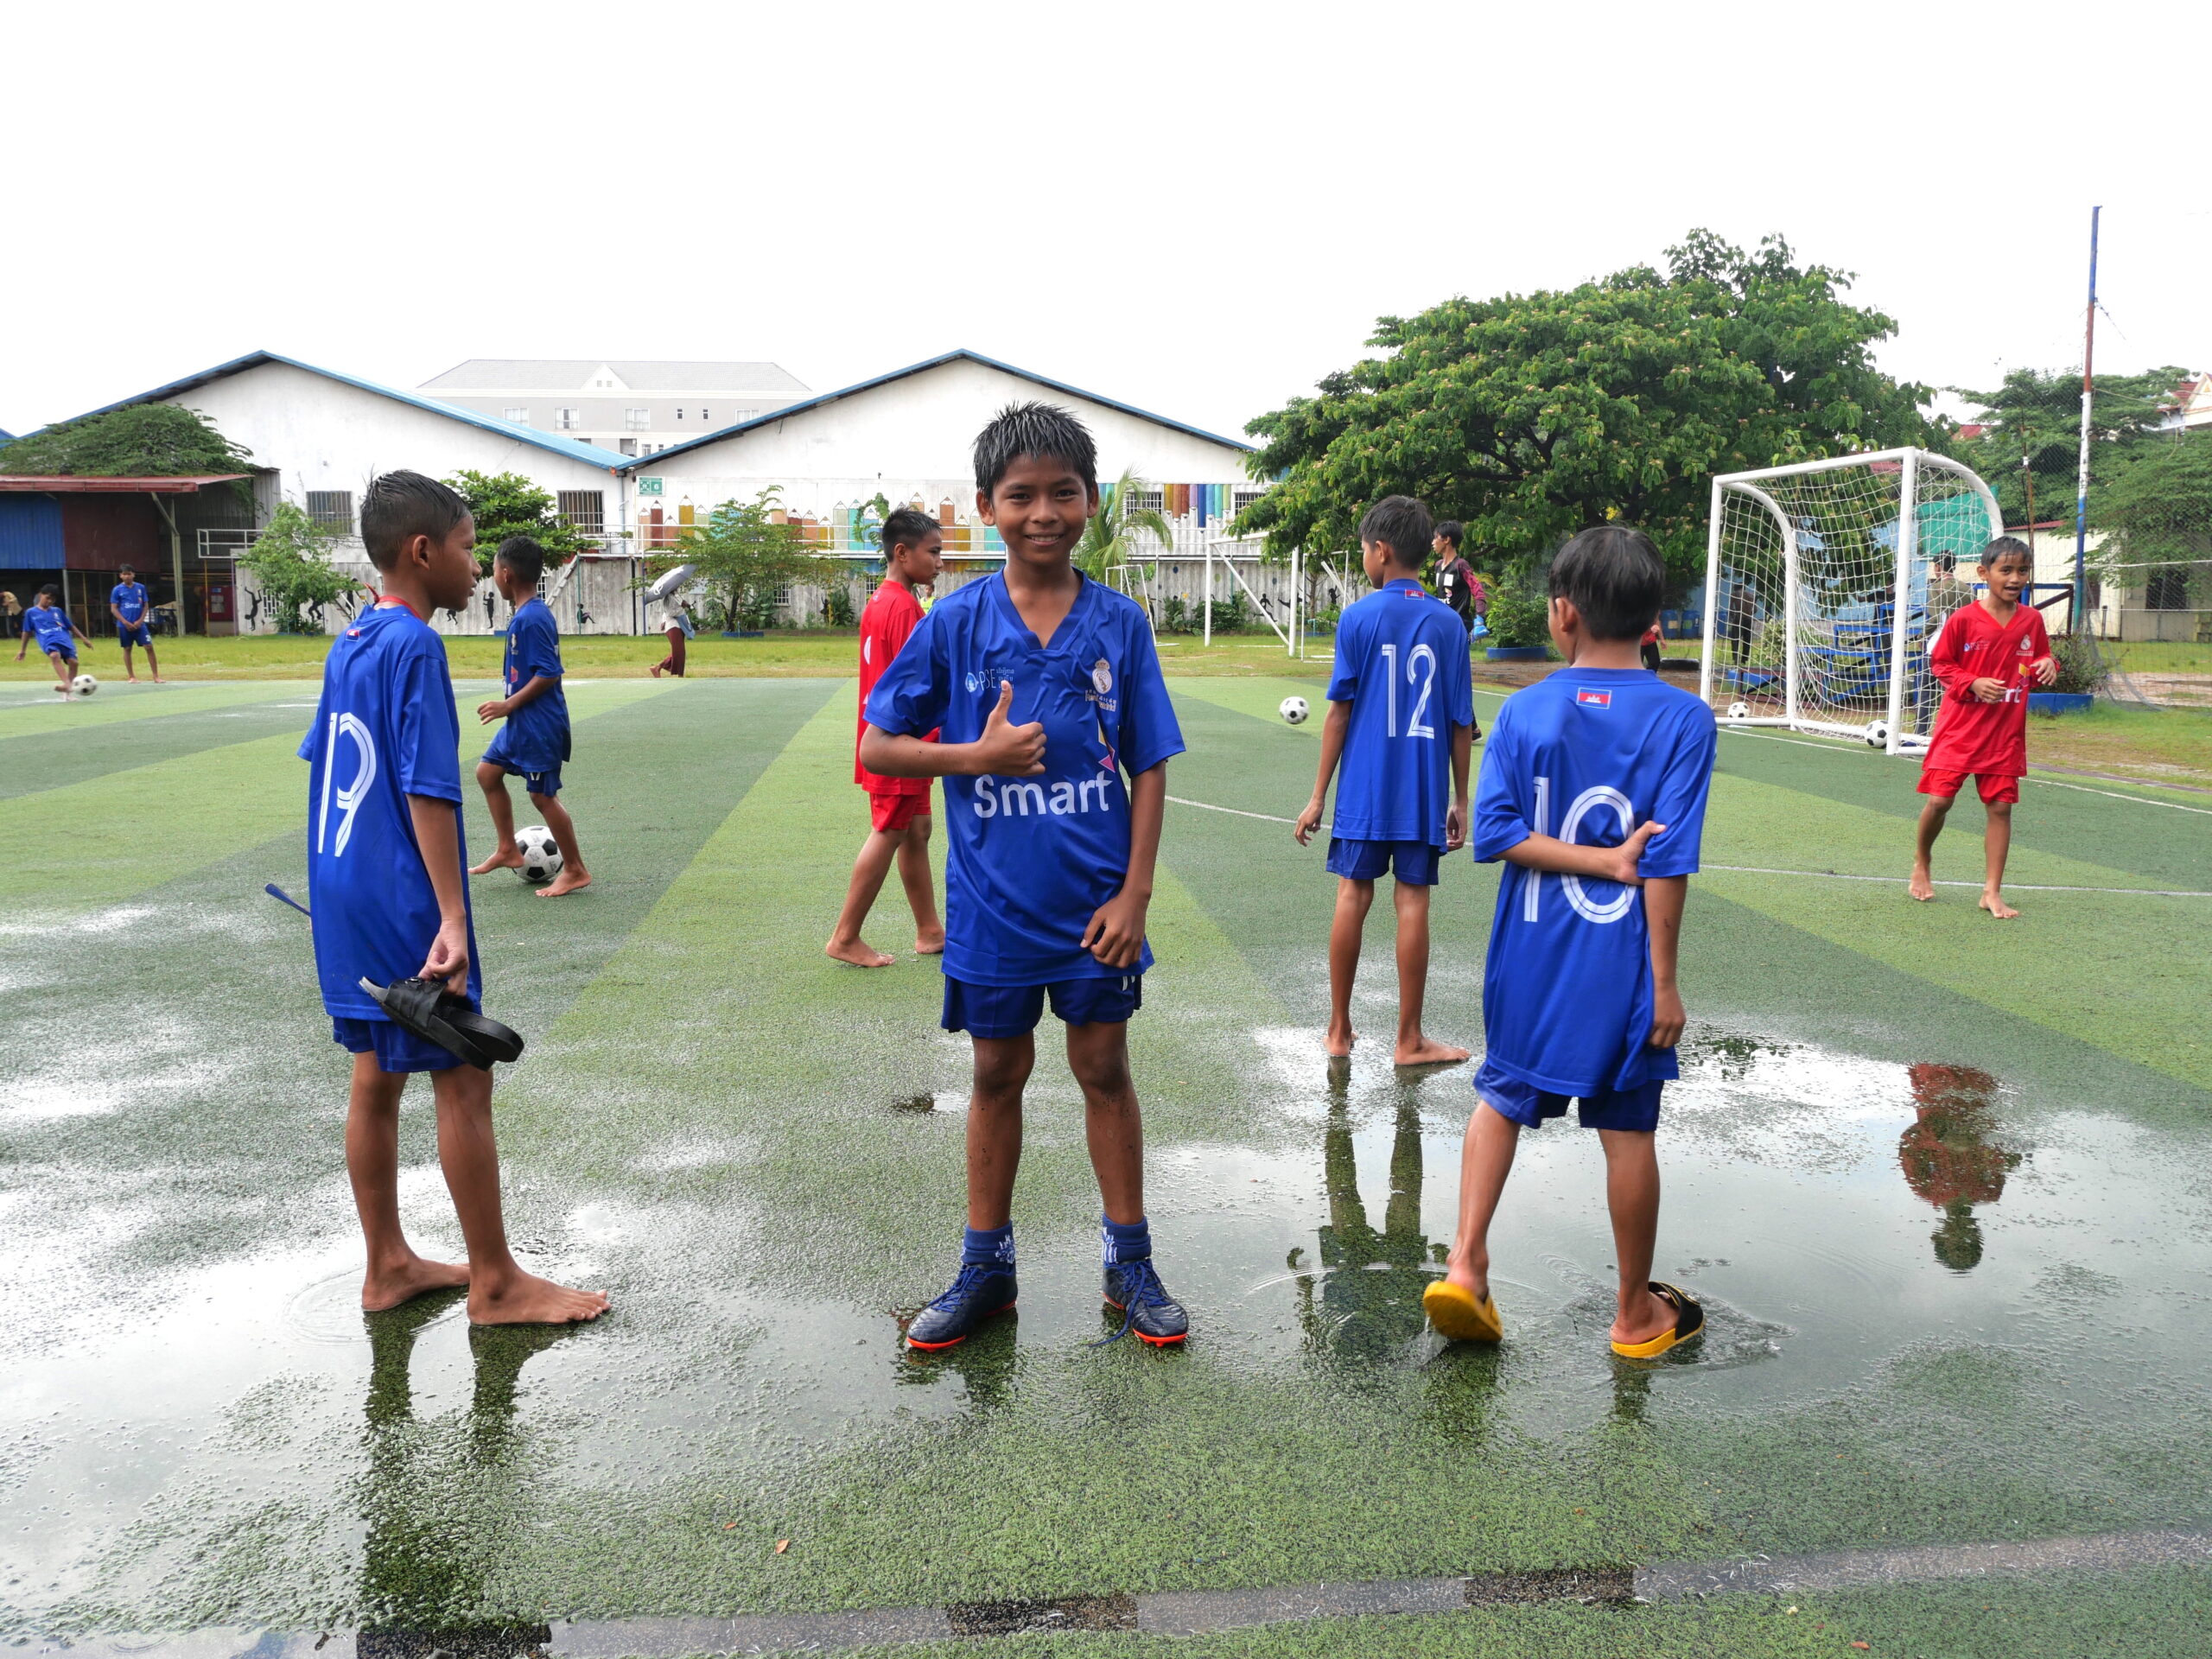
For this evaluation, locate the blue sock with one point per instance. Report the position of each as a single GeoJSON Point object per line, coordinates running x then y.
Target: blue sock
{"type": "Point", "coordinates": [1130, 1243]}
{"type": "Point", "coordinates": [992, 1248]}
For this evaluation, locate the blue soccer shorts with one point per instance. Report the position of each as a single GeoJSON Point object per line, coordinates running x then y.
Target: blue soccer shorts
{"type": "Point", "coordinates": [545, 781]}
{"type": "Point", "coordinates": [134, 633]}
{"type": "Point", "coordinates": [1001, 1011]}
{"type": "Point", "coordinates": [66, 653]}
{"type": "Point", "coordinates": [1635, 1110]}
{"type": "Point", "coordinates": [1413, 862]}
{"type": "Point", "coordinates": [398, 1049]}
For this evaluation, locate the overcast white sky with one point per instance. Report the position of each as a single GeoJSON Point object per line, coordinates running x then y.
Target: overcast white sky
{"type": "Point", "coordinates": [1198, 208]}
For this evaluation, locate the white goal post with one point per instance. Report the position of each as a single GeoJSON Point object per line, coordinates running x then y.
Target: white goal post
{"type": "Point", "coordinates": [1825, 583]}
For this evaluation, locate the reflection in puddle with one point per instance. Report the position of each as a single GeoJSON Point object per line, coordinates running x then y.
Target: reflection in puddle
{"type": "Point", "coordinates": [1947, 1158]}
{"type": "Point", "coordinates": [1365, 1305]}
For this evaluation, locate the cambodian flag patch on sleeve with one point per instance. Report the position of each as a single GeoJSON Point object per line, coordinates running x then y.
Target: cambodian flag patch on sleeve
{"type": "Point", "coordinates": [1594, 699]}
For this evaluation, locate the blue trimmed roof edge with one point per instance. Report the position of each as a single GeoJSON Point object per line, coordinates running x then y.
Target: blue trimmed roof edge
{"type": "Point", "coordinates": [646, 462]}
{"type": "Point", "coordinates": [591, 454]}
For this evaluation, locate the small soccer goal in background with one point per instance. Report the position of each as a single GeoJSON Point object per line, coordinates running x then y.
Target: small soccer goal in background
{"type": "Point", "coordinates": [1825, 583]}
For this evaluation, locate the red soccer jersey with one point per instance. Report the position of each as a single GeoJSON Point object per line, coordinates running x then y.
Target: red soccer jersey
{"type": "Point", "coordinates": [1986, 739]}
{"type": "Point", "coordinates": [891, 615]}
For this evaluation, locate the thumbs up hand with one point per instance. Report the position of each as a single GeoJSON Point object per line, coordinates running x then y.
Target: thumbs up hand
{"type": "Point", "coordinates": [1006, 750]}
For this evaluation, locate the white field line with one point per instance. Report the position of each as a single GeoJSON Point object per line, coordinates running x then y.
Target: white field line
{"type": "Point", "coordinates": [1807, 875]}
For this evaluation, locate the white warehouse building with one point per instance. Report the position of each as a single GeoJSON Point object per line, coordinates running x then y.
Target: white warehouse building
{"type": "Point", "coordinates": [631, 408]}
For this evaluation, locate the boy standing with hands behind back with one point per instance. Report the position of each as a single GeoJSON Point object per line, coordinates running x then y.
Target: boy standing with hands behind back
{"type": "Point", "coordinates": [1401, 714]}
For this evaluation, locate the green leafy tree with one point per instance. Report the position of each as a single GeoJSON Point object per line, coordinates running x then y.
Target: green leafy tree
{"type": "Point", "coordinates": [290, 563]}
{"type": "Point", "coordinates": [2158, 508]}
{"type": "Point", "coordinates": [745, 558]}
{"type": "Point", "coordinates": [2034, 416]}
{"type": "Point", "coordinates": [508, 504]}
{"type": "Point", "coordinates": [1109, 539]}
{"type": "Point", "coordinates": [1530, 417]}
{"type": "Point", "coordinates": [142, 440]}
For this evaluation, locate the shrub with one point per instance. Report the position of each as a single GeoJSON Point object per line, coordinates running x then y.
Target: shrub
{"type": "Point", "coordinates": [1520, 612]}
{"type": "Point", "coordinates": [837, 606]}
{"type": "Point", "coordinates": [2082, 665]}
{"type": "Point", "coordinates": [1174, 615]}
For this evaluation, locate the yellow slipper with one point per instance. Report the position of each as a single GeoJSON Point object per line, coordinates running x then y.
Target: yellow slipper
{"type": "Point", "coordinates": [1689, 1320]}
{"type": "Point", "coordinates": [1458, 1316]}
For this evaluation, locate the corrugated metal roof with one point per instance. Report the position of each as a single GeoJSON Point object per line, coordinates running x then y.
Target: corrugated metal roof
{"type": "Point", "coordinates": [646, 463]}
{"type": "Point", "coordinates": [494, 374]}
{"type": "Point", "coordinates": [75, 484]}
{"type": "Point", "coordinates": [590, 454]}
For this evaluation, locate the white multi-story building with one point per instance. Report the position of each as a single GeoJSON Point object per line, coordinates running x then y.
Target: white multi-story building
{"type": "Point", "coordinates": [631, 408]}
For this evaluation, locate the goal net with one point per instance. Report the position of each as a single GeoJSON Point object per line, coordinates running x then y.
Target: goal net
{"type": "Point", "coordinates": [1825, 582]}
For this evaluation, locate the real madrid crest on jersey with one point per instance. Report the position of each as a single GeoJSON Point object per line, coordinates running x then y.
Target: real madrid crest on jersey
{"type": "Point", "coordinates": [1101, 677]}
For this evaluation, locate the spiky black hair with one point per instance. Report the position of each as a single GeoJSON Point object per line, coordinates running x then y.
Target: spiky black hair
{"type": "Point", "coordinates": [1045, 430]}
{"type": "Point", "coordinates": [908, 527]}
{"type": "Point", "coordinates": [399, 506]}
{"type": "Point", "coordinates": [2005, 547]}
{"type": "Point", "coordinates": [1452, 531]}
{"type": "Point", "coordinates": [523, 556]}
{"type": "Point", "coordinates": [1615, 578]}
{"type": "Point", "coordinates": [1403, 525]}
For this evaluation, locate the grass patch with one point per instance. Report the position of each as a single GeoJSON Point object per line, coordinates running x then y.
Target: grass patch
{"type": "Point", "coordinates": [2156, 745]}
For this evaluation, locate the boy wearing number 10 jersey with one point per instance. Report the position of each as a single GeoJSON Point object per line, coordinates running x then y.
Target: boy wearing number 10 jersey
{"type": "Point", "coordinates": [1592, 792]}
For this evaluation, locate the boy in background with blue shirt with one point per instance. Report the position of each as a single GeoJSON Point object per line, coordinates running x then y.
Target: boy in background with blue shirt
{"type": "Point", "coordinates": [1044, 687]}
{"type": "Point", "coordinates": [535, 740]}
{"type": "Point", "coordinates": [1401, 714]}
{"type": "Point", "coordinates": [1592, 790]}
{"type": "Point", "coordinates": [126, 603]}
{"type": "Point", "coordinates": [390, 902]}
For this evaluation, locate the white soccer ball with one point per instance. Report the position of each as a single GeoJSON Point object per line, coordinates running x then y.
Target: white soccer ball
{"type": "Point", "coordinates": [540, 854]}
{"type": "Point", "coordinates": [83, 685]}
{"type": "Point", "coordinates": [1293, 710]}
{"type": "Point", "coordinates": [1878, 733]}
{"type": "Point", "coordinates": [1739, 711]}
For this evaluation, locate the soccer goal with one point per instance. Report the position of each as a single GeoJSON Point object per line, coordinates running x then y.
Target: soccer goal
{"type": "Point", "coordinates": [1825, 582]}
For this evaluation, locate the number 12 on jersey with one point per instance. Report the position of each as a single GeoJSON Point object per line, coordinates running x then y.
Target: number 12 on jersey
{"type": "Point", "coordinates": [1420, 657]}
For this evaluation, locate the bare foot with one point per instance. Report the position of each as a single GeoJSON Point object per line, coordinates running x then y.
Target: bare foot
{"type": "Point", "coordinates": [1653, 1315]}
{"type": "Point", "coordinates": [930, 944]}
{"type": "Point", "coordinates": [1427, 1051]}
{"type": "Point", "coordinates": [1923, 886]}
{"type": "Point", "coordinates": [858, 952]}
{"type": "Point", "coordinates": [1997, 907]}
{"type": "Point", "coordinates": [1336, 1042]}
{"type": "Point", "coordinates": [568, 881]}
{"type": "Point", "coordinates": [527, 1300]}
{"type": "Point", "coordinates": [417, 1277]}
{"type": "Point", "coordinates": [132, 680]}
{"type": "Point", "coordinates": [508, 857]}
{"type": "Point", "coordinates": [158, 680]}
{"type": "Point", "coordinates": [654, 671]}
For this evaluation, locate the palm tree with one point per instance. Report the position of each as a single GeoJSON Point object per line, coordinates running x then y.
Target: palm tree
{"type": "Point", "coordinates": [1108, 539]}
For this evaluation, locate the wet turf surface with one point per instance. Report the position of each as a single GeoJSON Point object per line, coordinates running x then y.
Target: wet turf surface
{"type": "Point", "coordinates": [1941, 1181]}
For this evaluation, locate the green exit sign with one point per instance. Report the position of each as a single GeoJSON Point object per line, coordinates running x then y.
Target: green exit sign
{"type": "Point", "coordinates": [649, 487]}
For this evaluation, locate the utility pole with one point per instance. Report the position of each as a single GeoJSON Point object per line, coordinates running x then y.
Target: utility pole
{"type": "Point", "coordinates": [2081, 481]}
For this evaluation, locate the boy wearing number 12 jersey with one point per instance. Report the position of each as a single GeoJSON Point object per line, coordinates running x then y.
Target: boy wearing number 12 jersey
{"type": "Point", "coordinates": [1592, 792]}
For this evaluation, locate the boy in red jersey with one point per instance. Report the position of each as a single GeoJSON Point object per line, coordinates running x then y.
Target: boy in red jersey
{"type": "Point", "coordinates": [899, 807]}
{"type": "Point", "coordinates": [1987, 656]}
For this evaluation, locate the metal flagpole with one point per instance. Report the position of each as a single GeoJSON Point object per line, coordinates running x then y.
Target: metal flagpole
{"type": "Point", "coordinates": [2081, 481]}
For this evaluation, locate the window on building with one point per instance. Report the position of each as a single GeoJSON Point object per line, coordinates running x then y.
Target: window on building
{"type": "Point", "coordinates": [709, 414]}
{"type": "Point", "coordinates": [679, 414]}
{"type": "Point", "coordinates": [585, 510]}
{"type": "Point", "coordinates": [1240, 500]}
{"type": "Point", "coordinates": [1151, 500]}
{"type": "Point", "coordinates": [637, 420]}
{"type": "Point", "coordinates": [630, 448]}
{"type": "Point", "coordinates": [567, 420]}
{"type": "Point", "coordinates": [519, 417]}
{"type": "Point", "coordinates": [332, 508]}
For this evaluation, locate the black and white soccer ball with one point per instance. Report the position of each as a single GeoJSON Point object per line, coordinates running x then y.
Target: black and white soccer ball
{"type": "Point", "coordinates": [1878, 733]}
{"type": "Point", "coordinates": [83, 685]}
{"type": "Point", "coordinates": [1294, 710]}
{"type": "Point", "coordinates": [1739, 711]}
{"type": "Point", "coordinates": [540, 854]}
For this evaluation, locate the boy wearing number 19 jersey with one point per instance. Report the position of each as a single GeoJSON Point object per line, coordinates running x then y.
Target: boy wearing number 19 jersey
{"type": "Point", "coordinates": [1592, 792]}
{"type": "Point", "coordinates": [1044, 690]}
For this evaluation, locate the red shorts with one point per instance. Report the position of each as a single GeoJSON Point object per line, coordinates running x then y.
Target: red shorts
{"type": "Point", "coordinates": [892, 813]}
{"type": "Point", "coordinates": [1996, 788]}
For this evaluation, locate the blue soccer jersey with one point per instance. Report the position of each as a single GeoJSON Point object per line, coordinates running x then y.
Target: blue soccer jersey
{"type": "Point", "coordinates": [1402, 663]}
{"type": "Point", "coordinates": [1030, 859]}
{"type": "Point", "coordinates": [51, 623]}
{"type": "Point", "coordinates": [1585, 756]}
{"type": "Point", "coordinates": [536, 734]}
{"type": "Point", "coordinates": [129, 599]}
{"type": "Point", "coordinates": [385, 729]}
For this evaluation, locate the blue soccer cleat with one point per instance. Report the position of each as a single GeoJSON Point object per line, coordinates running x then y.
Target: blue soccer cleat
{"type": "Point", "coordinates": [982, 1289]}
{"type": "Point", "coordinates": [1133, 1290]}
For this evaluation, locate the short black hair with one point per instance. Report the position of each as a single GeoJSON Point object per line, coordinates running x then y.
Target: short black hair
{"type": "Point", "coordinates": [1452, 531]}
{"type": "Point", "coordinates": [1045, 430]}
{"type": "Point", "coordinates": [1403, 525]}
{"type": "Point", "coordinates": [400, 505]}
{"type": "Point", "coordinates": [523, 556]}
{"type": "Point", "coordinates": [49, 591]}
{"type": "Point", "coordinates": [1615, 578]}
{"type": "Point", "coordinates": [2006, 547]}
{"type": "Point", "coordinates": [906, 528]}
{"type": "Point", "coordinates": [126, 569]}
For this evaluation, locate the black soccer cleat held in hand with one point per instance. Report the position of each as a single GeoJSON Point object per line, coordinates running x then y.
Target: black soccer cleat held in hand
{"type": "Point", "coordinates": [435, 1014]}
{"type": "Point", "coordinates": [1133, 1290]}
{"type": "Point", "coordinates": [982, 1289]}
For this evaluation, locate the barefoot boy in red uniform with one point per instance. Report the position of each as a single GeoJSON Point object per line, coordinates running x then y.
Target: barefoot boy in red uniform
{"type": "Point", "coordinates": [1988, 656]}
{"type": "Point", "coordinates": [898, 808]}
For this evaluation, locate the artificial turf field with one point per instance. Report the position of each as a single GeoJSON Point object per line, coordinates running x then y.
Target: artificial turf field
{"type": "Point", "coordinates": [1975, 1315]}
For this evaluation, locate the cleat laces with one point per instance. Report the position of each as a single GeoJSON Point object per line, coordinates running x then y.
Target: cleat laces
{"type": "Point", "coordinates": [962, 1289]}
{"type": "Point", "coordinates": [1141, 1287]}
